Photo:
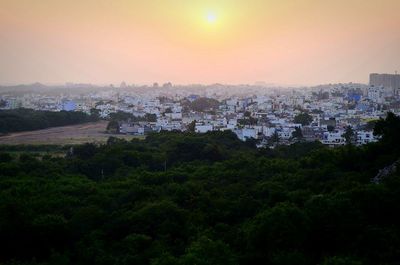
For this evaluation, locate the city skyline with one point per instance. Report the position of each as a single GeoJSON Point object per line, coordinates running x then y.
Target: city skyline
{"type": "Point", "coordinates": [288, 43]}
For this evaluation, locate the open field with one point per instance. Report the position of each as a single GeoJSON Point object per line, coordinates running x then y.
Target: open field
{"type": "Point", "coordinates": [93, 132]}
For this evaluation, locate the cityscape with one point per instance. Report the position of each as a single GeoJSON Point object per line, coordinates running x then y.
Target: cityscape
{"type": "Point", "coordinates": [266, 114]}
{"type": "Point", "coordinates": [199, 132]}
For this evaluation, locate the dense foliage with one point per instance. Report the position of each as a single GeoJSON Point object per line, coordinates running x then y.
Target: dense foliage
{"type": "Point", "coordinates": [303, 118]}
{"type": "Point", "coordinates": [185, 198]}
{"type": "Point", "coordinates": [201, 104]}
{"type": "Point", "coordinates": [17, 120]}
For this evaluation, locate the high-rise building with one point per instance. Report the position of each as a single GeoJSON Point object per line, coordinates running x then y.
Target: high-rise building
{"type": "Point", "coordinates": [389, 81]}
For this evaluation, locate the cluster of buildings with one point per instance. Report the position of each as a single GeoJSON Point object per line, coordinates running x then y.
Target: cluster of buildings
{"type": "Point", "coordinates": [269, 115]}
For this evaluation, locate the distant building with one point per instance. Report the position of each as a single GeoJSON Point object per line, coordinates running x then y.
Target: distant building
{"type": "Point", "coordinates": [69, 105]}
{"type": "Point", "coordinates": [192, 98]}
{"type": "Point", "coordinates": [376, 94]}
{"type": "Point", "coordinates": [365, 137]}
{"type": "Point", "coordinates": [167, 85]}
{"type": "Point", "coordinates": [123, 84]}
{"type": "Point", "coordinates": [246, 133]}
{"type": "Point", "coordinates": [333, 138]}
{"type": "Point", "coordinates": [13, 103]}
{"type": "Point", "coordinates": [328, 122]}
{"type": "Point", "coordinates": [353, 96]}
{"type": "Point", "coordinates": [200, 128]}
{"type": "Point", "coordinates": [391, 81]}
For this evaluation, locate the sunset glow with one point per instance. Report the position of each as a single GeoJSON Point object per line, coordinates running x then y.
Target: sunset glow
{"type": "Point", "coordinates": [289, 42]}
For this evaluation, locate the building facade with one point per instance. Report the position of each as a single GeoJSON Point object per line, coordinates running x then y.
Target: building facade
{"type": "Point", "coordinates": [391, 81]}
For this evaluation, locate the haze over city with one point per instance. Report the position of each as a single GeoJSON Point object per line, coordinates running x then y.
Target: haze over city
{"type": "Point", "coordinates": [305, 42]}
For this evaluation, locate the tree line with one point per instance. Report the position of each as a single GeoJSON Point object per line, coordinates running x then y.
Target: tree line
{"type": "Point", "coordinates": [18, 120]}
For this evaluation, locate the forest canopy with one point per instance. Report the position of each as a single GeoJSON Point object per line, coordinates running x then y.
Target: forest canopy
{"type": "Point", "coordinates": [186, 198]}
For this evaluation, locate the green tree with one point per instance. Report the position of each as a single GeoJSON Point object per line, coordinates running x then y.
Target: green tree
{"type": "Point", "coordinates": [388, 128]}
{"type": "Point", "coordinates": [289, 258]}
{"type": "Point", "coordinates": [349, 135]}
{"type": "Point", "coordinates": [150, 117]}
{"type": "Point", "coordinates": [282, 227]}
{"type": "Point", "coordinates": [275, 137]}
{"type": "Point", "coordinates": [205, 251]}
{"type": "Point", "coordinates": [204, 104]}
{"type": "Point", "coordinates": [337, 260]}
{"type": "Point", "coordinates": [113, 126]}
{"type": "Point", "coordinates": [17, 120]}
{"type": "Point", "coordinates": [297, 133]}
{"type": "Point", "coordinates": [303, 118]}
{"type": "Point", "coordinates": [192, 126]}
{"type": "Point", "coordinates": [5, 158]}
{"type": "Point", "coordinates": [94, 114]}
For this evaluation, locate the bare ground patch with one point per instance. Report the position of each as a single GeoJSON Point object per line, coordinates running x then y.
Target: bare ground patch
{"type": "Point", "coordinates": [93, 132]}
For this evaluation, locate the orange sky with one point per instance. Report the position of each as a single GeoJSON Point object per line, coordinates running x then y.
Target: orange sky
{"type": "Point", "coordinates": [137, 41]}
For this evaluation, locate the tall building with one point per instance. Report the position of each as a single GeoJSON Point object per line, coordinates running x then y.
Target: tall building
{"type": "Point", "coordinates": [390, 81]}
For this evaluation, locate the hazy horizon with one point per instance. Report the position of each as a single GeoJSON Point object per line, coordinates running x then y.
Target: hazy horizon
{"type": "Point", "coordinates": [296, 43]}
{"type": "Point", "coordinates": [150, 84]}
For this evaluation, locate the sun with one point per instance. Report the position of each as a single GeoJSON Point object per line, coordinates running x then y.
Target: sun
{"type": "Point", "coordinates": [211, 18]}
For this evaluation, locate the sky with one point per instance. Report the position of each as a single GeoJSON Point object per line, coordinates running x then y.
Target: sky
{"type": "Point", "coordinates": [293, 42]}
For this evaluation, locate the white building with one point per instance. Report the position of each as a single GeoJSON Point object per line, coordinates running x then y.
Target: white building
{"type": "Point", "coordinates": [376, 94]}
{"type": "Point", "coordinates": [333, 138]}
{"type": "Point", "coordinates": [203, 128]}
{"type": "Point", "coordinates": [246, 133]}
{"type": "Point", "coordinates": [364, 137]}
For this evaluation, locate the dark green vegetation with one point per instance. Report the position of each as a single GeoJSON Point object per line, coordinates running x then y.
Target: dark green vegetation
{"type": "Point", "coordinates": [201, 104]}
{"type": "Point", "coordinates": [247, 119]}
{"type": "Point", "coordinates": [303, 118]}
{"type": "Point", "coordinates": [28, 120]}
{"type": "Point", "coordinates": [182, 198]}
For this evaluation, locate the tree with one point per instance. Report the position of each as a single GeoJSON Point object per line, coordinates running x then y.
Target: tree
{"type": "Point", "coordinates": [221, 201]}
{"type": "Point", "coordinates": [205, 251]}
{"type": "Point", "coordinates": [370, 125]}
{"type": "Point", "coordinates": [94, 114]}
{"type": "Point", "coordinates": [289, 258]}
{"type": "Point", "coordinates": [349, 135]}
{"type": "Point", "coordinates": [388, 128]}
{"type": "Point", "coordinates": [283, 227]}
{"type": "Point", "coordinates": [121, 116]}
{"type": "Point", "coordinates": [5, 158]}
{"type": "Point", "coordinates": [115, 140]}
{"type": "Point", "coordinates": [192, 126]}
{"type": "Point", "coordinates": [3, 103]}
{"type": "Point", "coordinates": [297, 133]}
{"type": "Point", "coordinates": [113, 126]}
{"type": "Point", "coordinates": [204, 104]}
{"type": "Point", "coordinates": [341, 261]}
{"type": "Point", "coordinates": [248, 120]}
{"type": "Point", "coordinates": [275, 137]}
{"type": "Point", "coordinates": [17, 120]}
{"type": "Point", "coordinates": [303, 118]}
{"type": "Point", "coordinates": [85, 151]}
{"type": "Point", "coordinates": [150, 117]}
